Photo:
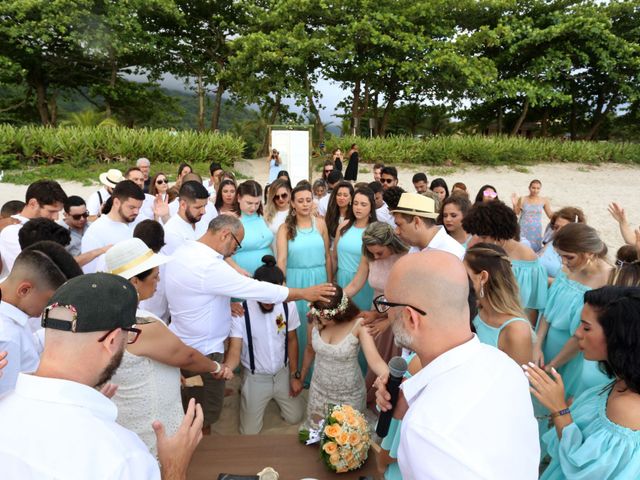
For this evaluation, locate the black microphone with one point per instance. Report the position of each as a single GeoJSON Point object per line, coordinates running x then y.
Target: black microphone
{"type": "Point", "coordinates": [397, 368]}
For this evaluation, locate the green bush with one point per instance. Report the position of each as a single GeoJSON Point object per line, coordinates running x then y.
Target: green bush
{"type": "Point", "coordinates": [86, 146]}
{"type": "Point", "coordinates": [478, 150]}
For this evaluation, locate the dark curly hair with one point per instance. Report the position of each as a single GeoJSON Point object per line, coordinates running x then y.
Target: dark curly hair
{"type": "Point", "coordinates": [459, 200]}
{"type": "Point", "coordinates": [347, 315]}
{"type": "Point", "coordinates": [392, 196]}
{"type": "Point", "coordinates": [440, 182]}
{"type": "Point", "coordinates": [367, 192]}
{"type": "Point", "coordinates": [38, 229]}
{"type": "Point", "coordinates": [332, 218]}
{"type": "Point", "coordinates": [492, 219]}
{"type": "Point", "coordinates": [618, 311]}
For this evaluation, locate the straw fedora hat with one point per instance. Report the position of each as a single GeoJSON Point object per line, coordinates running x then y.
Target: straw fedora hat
{"type": "Point", "coordinates": [416, 204]}
{"type": "Point", "coordinates": [130, 257]}
{"type": "Point", "coordinates": [111, 177]}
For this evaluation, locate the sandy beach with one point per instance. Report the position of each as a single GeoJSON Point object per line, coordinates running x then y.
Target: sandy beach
{"type": "Point", "coordinates": [590, 187]}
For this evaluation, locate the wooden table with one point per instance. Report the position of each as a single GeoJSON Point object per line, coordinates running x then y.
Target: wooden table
{"type": "Point", "coordinates": [248, 454]}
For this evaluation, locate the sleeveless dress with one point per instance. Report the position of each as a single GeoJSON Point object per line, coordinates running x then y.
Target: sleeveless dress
{"type": "Point", "coordinates": [256, 243]}
{"type": "Point", "coordinates": [593, 447]}
{"type": "Point", "coordinates": [306, 266]}
{"type": "Point", "coordinates": [391, 442]}
{"type": "Point", "coordinates": [349, 254]}
{"type": "Point", "coordinates": [531, 224]}
{"type": "Point", "coordinates": [352, 168]}
{"type": "Point", "coordinates": [277, 220]}
{"type": "Point", "coordinates": [337, 378]}
{"type": "Point", "coordinates": [490, 335]}
{"type": "Point", "coordinates": [532, 282]}
{"type": "Point", "coordinates": [147, 391]}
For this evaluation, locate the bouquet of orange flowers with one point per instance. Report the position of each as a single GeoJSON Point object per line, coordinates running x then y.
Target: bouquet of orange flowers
{"type": "Point", "coordinates": [345, 440]}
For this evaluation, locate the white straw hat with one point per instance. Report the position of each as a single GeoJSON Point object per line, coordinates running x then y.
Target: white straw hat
{"type": "Point", "coordinates": [111, 177]}
{"type": "Point", "coordinates": [130, 257]}
{"type": "Point", "coordinates": [416, 204]}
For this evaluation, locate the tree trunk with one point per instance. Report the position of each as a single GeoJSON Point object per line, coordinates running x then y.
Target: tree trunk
{"type": "Point", "coordinates": [573, 123]}
{"type": "Point", "coordinates": [384, 121]}
{"type": "Point", "coordinates": [600, 116]}
{"type": "Point", "coordinates": [41, 103]}
{"type": "Point", "coordinates": [273, 117]}
{"type": "Point", "coordinates": [53, 109]}
{"type": "Point", "coordinates": [200, 91]}
{"type": "Point", "coordinates": [355, 108]}
{"type": "Point", "coordinates": [500, 119]}
{"type": "Point", "coordinates": [217, 105]}
{"type": "Point", "coordinates": [112, 85]}
{"type": "Point", "coordinates": [523, 115]}
{"type": "Point", "coordinates": [545, 122]}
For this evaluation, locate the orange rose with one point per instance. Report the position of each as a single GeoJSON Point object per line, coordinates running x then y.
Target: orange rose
{"type": "Point", "coordinates": [348, 456]}
{"type": "Point", "coordinates": [354, 438]}
{"type": "Point", "coordinates": [342, 438]}
{"type": "Point", "coordinates": [332, 430]}
{"type": "Point", "coordinates": [352, 420]}
{"type": "Point", "coordinates": [348, 409]}
{"type": "Point", "coordinates": [330, 448]}
{"type": "Point", "coordinates": [338, 415]}
{"type": "Point", "coordinates": [334, 459]}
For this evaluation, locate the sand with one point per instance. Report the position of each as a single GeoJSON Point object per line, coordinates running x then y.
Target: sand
{"type": "Point", "coordinates": [591, 188]}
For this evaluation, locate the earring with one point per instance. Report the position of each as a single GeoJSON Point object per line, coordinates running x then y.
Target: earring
{"type": "Point", "coordinates": [293, 213]}
{"type": "Point", "coordinates": [481, 291]}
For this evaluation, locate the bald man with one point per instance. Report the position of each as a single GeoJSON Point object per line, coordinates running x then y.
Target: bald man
{"type": "Point", "coordinates": [470, 414]}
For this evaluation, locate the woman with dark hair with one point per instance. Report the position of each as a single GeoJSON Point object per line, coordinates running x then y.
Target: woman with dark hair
{"type": "Point", "coordinates": [334, 340]}
{"type": "Point", "coordinates": [347, 248]}
{"type": "Point", "coordinates": [487, 193]}
{"type": "Point", "coordinates": [351, 173]}
{"type": "Point", "coordinates": [452, 212]}
{"type": "Point", "coordinates": [284, 175]}
{"type": "Point", "coordinates": [549, 258]}
{"type": "Point", "coordinates": [598, 436]}
{"type": "Point", "coordinates": [338, 207]}
{"type": "Point", "coordinates": [183, 169]}
{"type": "Point", "coordinates": [159, 185]}
{"type": "Point", "coordinates": [439, 187]}
{"type": "Point", "coordinates": [226, 197]}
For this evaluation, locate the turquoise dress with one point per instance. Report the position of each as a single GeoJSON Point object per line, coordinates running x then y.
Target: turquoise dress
{"type": "Point", "coordinates": [391, 442]}
{"type": "Point", "coordinates": [532, 281]}
{"type": "Point", "coordinates": [490, 335]}
{"type": "Point", "coordinates": [306, 266]}
{"type": "Point", "coordinates": [349, 254]}
{"type": "Point", "coordinates": [256, 243]}
{"type": "Point", "coordinates": [593, 447]}
{"type": "Point", "coordinates": [550, 260]}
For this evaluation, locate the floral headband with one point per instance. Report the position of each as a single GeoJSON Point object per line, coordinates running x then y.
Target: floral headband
{"type": "Point", "coordinates": [330, 312]}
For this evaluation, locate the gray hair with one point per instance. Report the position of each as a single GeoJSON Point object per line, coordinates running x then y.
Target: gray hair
{"type": "Point", "coordinates": [143, 161]}
{"type": "Point", "coordinates": [380, 233]}
{"type": "Point", "coordinates": [225, 221]}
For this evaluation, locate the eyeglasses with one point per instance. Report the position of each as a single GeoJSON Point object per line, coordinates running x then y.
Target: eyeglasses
{"type": "Point", "coordinates": [160, 182]}
{"type": "Point", "coordinates": [80, 215]}
{"type": "Point", "coordinates": [133, 334]}
{"type": "Point", "coordinates": [237, 242]}
{"type": "Point", "coordinates": [282, 196]}
{"type": "Point", "coordinates": [489, 193]}
{"type": "Point", "coordinates": [328, 170]}
{"type": "Point", "coordinates": [382, 305]}
{"type": "Point", "coordinates": [387, 180]}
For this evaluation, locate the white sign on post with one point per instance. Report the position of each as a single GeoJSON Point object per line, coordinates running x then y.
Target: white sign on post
{"type": "Point", "coordinates": [293, 146]}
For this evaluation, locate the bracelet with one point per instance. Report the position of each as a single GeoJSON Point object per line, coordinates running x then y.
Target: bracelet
{"type": "Point", "coordinates": [559, 413]}
{"type": "Point", "coordinates": [217, 370]}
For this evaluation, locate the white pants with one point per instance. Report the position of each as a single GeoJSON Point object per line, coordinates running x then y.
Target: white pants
{"type": "Point", "coordinates": [256, 392]}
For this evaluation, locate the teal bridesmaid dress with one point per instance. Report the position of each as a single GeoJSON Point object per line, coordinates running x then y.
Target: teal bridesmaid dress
{"type": "Point", "coordinates": [349, 254]}
{"type": "Point", "coordinates": [490, 335]}
{"type": "Point", "coordinates": [256, 243]}
{"type": "Point", "coordinates": [532, 281]}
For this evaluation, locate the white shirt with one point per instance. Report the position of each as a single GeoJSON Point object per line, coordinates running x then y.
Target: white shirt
{"type": "Point", "coordinates": [278, 219]}
{"type": "Point", "coordinates": [383, 215]}
{"type": "Point", "coordinates": [77, 436]}
{"type": "Point", "coordinates": [101, 233]}
{"type": "Point", "coordinates": [199, 288]}
{"type": "Point", "coordinates": [268, 334]}
{"type": "Point", "coordinates": [10, 245]}
{"type": "Point", "coordinates": [323, 204]}
{"type": "Point", "coordinates": [445, 242]}
{"type": "Point", "coordinates": [470, 417]}
{"type": "Point", "coordinates": [93, 204]}
{"type": "Point", "coordinates": [16, 339]}
{"type": "Point", "coordinates": [210, 213]}
{"type": "Point", "coordinates": [146, 211]}
{"type": "Point", "coordinates": [176, 232]}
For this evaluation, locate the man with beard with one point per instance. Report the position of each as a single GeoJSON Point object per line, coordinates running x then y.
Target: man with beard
{"type": "Point", "coordinates": [153, 208]}
{"type": "Point", "coordinates": [115, 226]}
{"type": "Point", "coordinates": [469, 409]}
{"type": "Point", "coordinates": [266, 336]}
{"type": "Point", "coordinates": [193, 199]}
{"type": "Point", "coordinates": [56, 424]}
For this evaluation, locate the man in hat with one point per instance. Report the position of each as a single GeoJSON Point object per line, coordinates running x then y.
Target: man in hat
{"type": "Point", "coordinates": [109, 180]}
{"type": "Point", "coordinates": [415, 218]}
{"type": "Point", "coordinates": [145, 167]}
{"type": "Point", "coordinates": [44, 198]}
{"type": "Point", "coordinates": [88, 323]}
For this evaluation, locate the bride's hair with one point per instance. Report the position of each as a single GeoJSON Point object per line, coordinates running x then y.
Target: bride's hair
{"type": "Point", "coordinates": [339, 308]}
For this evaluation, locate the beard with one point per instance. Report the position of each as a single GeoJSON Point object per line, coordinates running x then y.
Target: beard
{"type": "Point", "coordinates": [265, 310]}
{"type": "Point", "coordinates": [190, 218]}
{"type": "Point", "coordinates": [401, 337]}
{"type": "Point", "coordinates": [111, 368]}
{"type": "Point", "coordinates": [124, 218]}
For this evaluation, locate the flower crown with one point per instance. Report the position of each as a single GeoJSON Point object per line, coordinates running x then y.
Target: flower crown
{"type": "Point", "coordinates": [330, 312]}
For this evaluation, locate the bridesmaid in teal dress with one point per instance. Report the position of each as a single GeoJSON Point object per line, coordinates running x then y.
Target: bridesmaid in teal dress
{"type": "Point", "coordinates": [598, 436]}
{"type": "Point", "coordinates": [303, 253]}
{"type": "Point", "coordinates": [257, 236]}
{"type": "Point", "coordinates": [347, 248]}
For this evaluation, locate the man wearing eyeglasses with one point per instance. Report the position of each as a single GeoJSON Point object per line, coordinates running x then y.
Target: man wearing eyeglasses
{"type": "Point", "coordinates": [75, 219]}
{"type": "Point", "coordinates": [88, 323]}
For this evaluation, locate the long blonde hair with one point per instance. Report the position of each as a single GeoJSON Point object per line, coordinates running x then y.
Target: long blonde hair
{"type": "Point", "coordinates": [270, 208]}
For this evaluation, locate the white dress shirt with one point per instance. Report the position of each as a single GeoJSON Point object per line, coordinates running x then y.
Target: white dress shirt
{"type": "Point", "coordinates": [10, 245]}
{"type": "Point", "coordinates": [93, 204]}
{"type": "Point", "coordinates": [470, 417]}
{"type": "Point", "coordinates": [323, 204]}
{"type": "Point", "coordinates": [77, 435]}
{"type": "Point", "coordinates": [101, 233]}
{"type": "Point", "coordinates": [268, 334]}
{"type": "Point", "coordinates": [199, 288]}
{"type": "Point", "coordinates": [384, 215]}
{"type": "Point", "coordinates": [176, 232]}
{"type": "Point", "coordinates": [16, 339]}
{"type": "Point", "coordinates": [445, 242]}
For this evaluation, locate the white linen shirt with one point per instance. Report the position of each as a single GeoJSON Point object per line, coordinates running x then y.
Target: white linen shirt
{"type": "Point", "coordinates": [323, 204]}
{"type": "Point", "coordinates": [77, 435]}
{"type": "Point", "coordinates": [445, 242]}
{"type": "Point", "coordinates": [199, 288]}
{"type": "Point", "coordinates": [176, 232]}
{"type": "Point", "coordinates": [101, 233]}
{"type": "Point", "coordinates": [16, 339]}
{"type": "Point", "coordinates": [10, 245]}
{"type": "Point", "coordinates": [93, 204]}
{"type": "Point", "coordinates": [470, 417]}
{"type": "Point", "coordinates": [268, 334]}
{"type": "Point", "coordinates": [383, 215]}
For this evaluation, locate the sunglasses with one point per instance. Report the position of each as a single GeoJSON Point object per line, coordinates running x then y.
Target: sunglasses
{"type": "Point", "coordinates": [387, 180]}
{"type": "Point", "coordinates": [282, 196]}
{"type": "Point", "coordinates": [160, 182]}
{"type": "Point", "coordinates": [80, 215]}
{"type": "Point", "coordinates": [489, 193]}
{"type": "Point", "coordinates": [328, 171]}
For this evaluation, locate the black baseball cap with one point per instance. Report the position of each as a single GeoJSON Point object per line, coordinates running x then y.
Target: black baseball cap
{"type": "Point", "coordinates": [98, 302]}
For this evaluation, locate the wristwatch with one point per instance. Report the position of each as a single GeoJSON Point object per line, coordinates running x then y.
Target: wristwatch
{"type": "Point", "coordinates": [296, 374]}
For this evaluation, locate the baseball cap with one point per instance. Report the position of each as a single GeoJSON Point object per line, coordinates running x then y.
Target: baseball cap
{"type": "Point", "coordinates": [98, 302]}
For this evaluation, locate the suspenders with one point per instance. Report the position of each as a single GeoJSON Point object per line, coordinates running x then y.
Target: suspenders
{"type": "Point", "coordinates": [247, 323]}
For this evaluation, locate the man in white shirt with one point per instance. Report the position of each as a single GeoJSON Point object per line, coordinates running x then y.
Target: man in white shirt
{"type": "Point", "coordinates": [109, 180]}
{"type": "Point", "coordinates": [44, 198]}
{"type": "Point", "coordinates": [117, 225]}
{"type": "Point", "coordinates": [199, 287]}
{"type": "Point", "coordinates": [145, 167]}
{"type": "Point", "coordinates": [334, 178]}
{"type": "Point", "coordinates": [25, 293]}
{"type": "Point", "coordinates": [152, 208]}
{"type": "Point", "coordinates": [266, 336]}
{"type": "Point", "coordinates": [469, 413]}
{"type": "Point", "coordinates": [88, 323]}
{"type": "Point", "coordinates": [382, 210]}
{"type": "Point", "coordinates": [184, 225]}
{"type": "Point", "coordinates": [415, 218]}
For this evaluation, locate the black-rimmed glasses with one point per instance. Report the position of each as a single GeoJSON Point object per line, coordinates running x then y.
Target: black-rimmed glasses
{"type": "Point", "coordinates": [382, 305]}
{"type": "Point", "coordinates": [132, 332]}
{"type": "Point", "coordinates": [237, 242]}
